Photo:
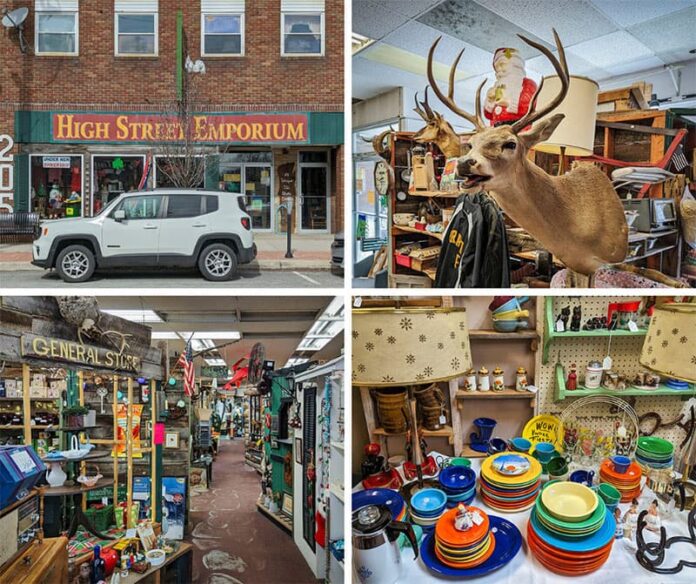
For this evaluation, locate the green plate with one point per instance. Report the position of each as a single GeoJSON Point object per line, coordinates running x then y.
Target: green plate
{"type": "Point", "coordinates": [655, 445]}
{"type": "Point", "coordinates": [591, 521]}
{"type": "Point", "coordinates": [565, 534]}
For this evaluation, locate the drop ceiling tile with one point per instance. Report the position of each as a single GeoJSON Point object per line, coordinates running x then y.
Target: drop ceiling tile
{"type": "Point", "coordinates": [612, 49]}
{"type": "Point", "coordinates": [409, 8]}
{"type": "Point", "coordinates": [371, 78]}
{"type": "Point", "coordinates": [418, 38]}
{"type": "Point", "coordinates": [374, 20]}
{"type": "Point", "coordinates": [633, 66]}
{"type": "Point", "coordinates": [629, 12]}
{"type": "Point", "coordinates": [471, 22]}
{"type": "Point", "coordinates": [575, 21]}
{"type": "Point", "coordinates": [576, 65]}
{"type": "Point", "coordinates": [671, 37]}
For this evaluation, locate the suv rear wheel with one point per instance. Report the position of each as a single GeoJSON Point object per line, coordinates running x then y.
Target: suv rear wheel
{"type": "Point", "coordinates": [75, 263]}
{"type": "Point", "coordinates": [218, 263]}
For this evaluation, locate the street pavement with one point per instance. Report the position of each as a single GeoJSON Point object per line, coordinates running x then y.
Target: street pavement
{"type": "Point", "coordinates": [138, 280]}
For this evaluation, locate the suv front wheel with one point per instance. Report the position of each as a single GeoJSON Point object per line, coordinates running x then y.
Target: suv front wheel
{"type": "Point", "coordinates": [218, 263]}
{"type": "Point", "coordinates": [75, 263]}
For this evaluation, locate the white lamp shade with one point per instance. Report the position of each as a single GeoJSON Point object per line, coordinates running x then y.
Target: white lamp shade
{"type": "Point", "coordinates": [577, 130]}
{"type": "Point", "coordinates": [396, 347]}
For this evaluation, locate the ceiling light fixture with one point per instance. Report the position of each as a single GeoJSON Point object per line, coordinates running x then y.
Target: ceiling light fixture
{"type": "Point", "coordinates": [136, 315]}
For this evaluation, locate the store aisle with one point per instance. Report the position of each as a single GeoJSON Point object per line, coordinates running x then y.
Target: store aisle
{"type": "Point", "coordinates": [233, 542]}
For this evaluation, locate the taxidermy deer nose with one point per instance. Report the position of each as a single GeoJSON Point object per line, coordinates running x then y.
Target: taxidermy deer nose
{"type": "Point", "coordinates": [464, 166]}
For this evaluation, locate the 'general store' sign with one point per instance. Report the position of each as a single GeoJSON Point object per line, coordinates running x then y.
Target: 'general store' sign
{"type": "Point", "coordinates": [140, 128]}
{"type": "Point", "coordinates": [71, 352]}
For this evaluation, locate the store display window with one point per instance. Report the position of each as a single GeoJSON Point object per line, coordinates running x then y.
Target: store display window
{"type": "Point", "coordinates": [166, 172]}
{"type": "Point", "coordinates": [56, 185]}
{"type": "Point", "coordinates": [113, 175]}
{"type": "Point", "coordinates": [250, 173]}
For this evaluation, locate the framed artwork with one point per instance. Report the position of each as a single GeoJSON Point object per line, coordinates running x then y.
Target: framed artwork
{"type": "Point", "coordinates": [171, 440]}
{"type": "Point", "coordinates": [298, 450]}
{"type": "Point", "coordinates": [287, 504]}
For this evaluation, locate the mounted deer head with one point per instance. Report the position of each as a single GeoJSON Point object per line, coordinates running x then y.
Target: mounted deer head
{"type": "Point", "coordinates": [577, 216]}
{"type": "Point", "coordinates": [437, 130]}
{"type": "Point", "coordinates": [380, 143]}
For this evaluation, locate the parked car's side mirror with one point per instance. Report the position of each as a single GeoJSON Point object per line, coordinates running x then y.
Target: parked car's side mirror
{"type": "Point", "coordinates": [119, 215]}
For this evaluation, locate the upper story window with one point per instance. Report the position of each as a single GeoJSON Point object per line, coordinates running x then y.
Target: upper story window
{"type": "Point", "coordinates": [302, 28]}
{"type": "Point", "coordinates": [222, 27]}
{"type": "Point", "coordinates": [135, 28]}
{"type": "Point", "coordinates": [56, 27]}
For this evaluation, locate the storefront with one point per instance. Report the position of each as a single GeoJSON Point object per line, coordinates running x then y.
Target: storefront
{"type": "Point", "coordinates": [72, 164]}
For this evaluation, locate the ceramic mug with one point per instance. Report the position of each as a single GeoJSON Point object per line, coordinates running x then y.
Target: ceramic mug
{"type": "Point", "coordinates": [609, 494]}
{"type": "Point", "coordinates": [485, 430]}
{"type": "Point", "coordinates": [621, 463]}
{"type": "Point", "coordinates": [520, 444]}
{"type": "Point", "coordinates": [557, 466]}
{"type": "Point", "coordinates": [584, 477]}
{"type": "Point", "coordinates": [459, 461]}
{"type": "Point", "coordinates": [544, 451]}
{"type": "Point", "coordinates": [496, 445]}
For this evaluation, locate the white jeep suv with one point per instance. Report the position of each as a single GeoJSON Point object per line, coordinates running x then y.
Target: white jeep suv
{"type": "Point", "coordinates": [151, 229]}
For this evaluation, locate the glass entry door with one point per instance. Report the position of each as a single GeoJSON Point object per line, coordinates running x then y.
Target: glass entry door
{"type": "Point", "coordinates": [314, 208]}
{"type": "Point", "coordinates": [257, 188]}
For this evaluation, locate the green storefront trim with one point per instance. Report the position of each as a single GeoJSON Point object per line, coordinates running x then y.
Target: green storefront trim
{"type": "Point", "coordinates": [325, 129]}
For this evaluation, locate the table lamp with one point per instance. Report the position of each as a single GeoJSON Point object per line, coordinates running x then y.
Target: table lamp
{"type": "Point", "coordinates": [409, 346]}
{"type": "Point", "coordinates": [575, 135]}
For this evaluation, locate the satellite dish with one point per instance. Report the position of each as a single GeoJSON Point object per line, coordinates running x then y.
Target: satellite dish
{"type": "Point", "coordinates": [256, 358]}
{"type": "Point", "coordinates": [15, 19]}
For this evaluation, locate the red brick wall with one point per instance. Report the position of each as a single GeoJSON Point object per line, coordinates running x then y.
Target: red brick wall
{"type": "Point", "coordinates": [261, 79]}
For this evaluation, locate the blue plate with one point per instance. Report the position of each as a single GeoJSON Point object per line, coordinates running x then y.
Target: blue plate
{"type": "Point", "coordinates": [479, 446]}
{"type": "Point", "coordinates": [394, 502]}
{"type": "Point", "coordinates": [508, 541]}
{"type": "Point", "coordinates": [594, 542]}
{"type": "Point", "coordinates": [463, 495]}
{"type": "Point", "coordinates": [457, 478]}
{"type": "Point", "coordinates": [428, 502]}
{"type": "Point", "coordinates": [467, 501]}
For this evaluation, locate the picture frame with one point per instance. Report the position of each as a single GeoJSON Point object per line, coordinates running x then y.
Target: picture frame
{"type": "Point", "coordinates": [298, 450]}
{"type": "Point", "coordinates": [287, 504]}
{"type": "Point", "coordinates": [171, 440]}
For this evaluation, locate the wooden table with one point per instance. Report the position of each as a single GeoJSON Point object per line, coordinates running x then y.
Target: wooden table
{"type": "Point", "coordinates": [41, 563]}
{"type": "Point", "coordinates": [183, 557]}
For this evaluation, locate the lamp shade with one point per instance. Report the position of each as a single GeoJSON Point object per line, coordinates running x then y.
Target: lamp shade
{"type": "Point", "coordinates": [670, 345]}
{"type": "Point", "coordinates": [577, 130]}
{"type": "Point", "coordinates": [394, 347]}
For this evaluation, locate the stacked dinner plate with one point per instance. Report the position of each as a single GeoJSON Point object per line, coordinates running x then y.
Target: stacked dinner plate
{"type": "Point", "coordinates": [427, 506]}
{"type": "Point", "coordinates": [628, 483]}
{"type": "Point", "coordinates": [510, 482]}
{"type": "Point", "coordinates": [570, 530]}
{"type": "Point", "coordinates": [394, 502]}
{"type": "Point", "coordinates": [655, 453]}
{"type": "Point", "coordinates": [463, 549]}
{"type": "Point", "coordinates": [459, 483]}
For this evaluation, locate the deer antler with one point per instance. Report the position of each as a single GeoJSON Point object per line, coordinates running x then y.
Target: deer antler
{"type": "Point", "coordinates": [561, 68]}
{"type": "Point", "coordinates": [423, 108]}
{"type": "Point", "coordinates": [448, 99]}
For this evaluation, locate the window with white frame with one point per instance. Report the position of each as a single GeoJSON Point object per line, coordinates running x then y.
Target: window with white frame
{"type": "Point", "coordinates": [302, 28]}
{"type": "Point", "coordinates": [56, 27]}
{"type": "Point", "coordinates": [222, 27]}
{"type": "Point", "coordinates": [135, 27]}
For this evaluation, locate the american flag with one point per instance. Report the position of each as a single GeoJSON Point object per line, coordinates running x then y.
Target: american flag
{"type": "Point", "coordinates": [186, 361]}
{"type": "Point", "coordinates": [146, 172]}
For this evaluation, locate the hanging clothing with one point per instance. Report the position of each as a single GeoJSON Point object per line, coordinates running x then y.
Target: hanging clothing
{"type": "Point", "coordinates": [474, 250]}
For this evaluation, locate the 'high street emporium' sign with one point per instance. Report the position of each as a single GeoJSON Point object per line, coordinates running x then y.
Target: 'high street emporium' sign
{"type": "Point", "coordinates": [204, 128]}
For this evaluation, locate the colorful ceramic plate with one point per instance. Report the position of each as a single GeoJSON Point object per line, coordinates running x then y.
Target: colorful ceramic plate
{"type": "Point", "coordinates": [528, 477]}
{"type": "Point", "coordinates": [655, 445]}
{"type": "Point", "coordinates": [594, 542]}
{"type": "Point", "coordinates": [479, 558]}
{"type": "Point", "coordinates": [428, 502]}
{"type": "Point", "coordinates": [632, 475]}
{"type": "Point", "coordinates": [449, 535]}
{"type": "Point", "coordinates": [594, 520]}
{"type": "Point", "coordinates": [394, 502]}
{"type": "Point", "coordinates": [544, 428]}
{"type": "Point", "coordinates": [511, 465]}
{"type": "Point", "coordinates": [457, 478]}
{"type": "Point", "coordinates": [517, 509]}
{"type": "Point", "coordinates": [568, 501]}
{"type": "Point", "coordinates": [551, 551]}
{"type": "Point", "coordinates": [508, 541]}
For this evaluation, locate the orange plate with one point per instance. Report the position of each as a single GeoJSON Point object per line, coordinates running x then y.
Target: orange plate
{"type": "Point", "coordinates": [449, 535]}
{"type": "Point", "coordinates": [562, 554]}
{"type": "Point", "coordinates": [464, 556]}
{"type": "Point", "coordinates": [463, 565]}
{"type": "Point", "coordinates": [633, 472]}
{"type": "Point", "coordinates": [488, 489]}
{"type": "Point", "coordinates": [566, 564]}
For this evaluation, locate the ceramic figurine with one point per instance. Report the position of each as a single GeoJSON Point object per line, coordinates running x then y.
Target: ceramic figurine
{"type": "Point", "coordinates": [630, 520]}
{"type": "Point", "coordinates": [564, 317]}
{"type": "Point", "coordinates": [619, 531]}
{"type": "Point", "coordinates": [470, 380]}
{"type": "Point", "coordinates": [498, 379]}
{"type": "Point", "coordinates": [465, 519]}
{"type": "Point", "coordinates": [652, 519]}
{"type": "Point", "coordinates": [572, 381]}
{"type": "Point", "coordinates": [614, 322]}
{"type": "Point", "coordinates": [521, 380]}
{"type": "Point", "coordinates": [509, 98]}
{"type": "Point", "coordinates": [484, 380]}
{"type": "Point", "coordinates": [577, 318]}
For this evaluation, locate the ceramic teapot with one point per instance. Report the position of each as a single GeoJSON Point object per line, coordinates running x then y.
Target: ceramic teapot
{"type": "Point", "coordinates": [376, 554]}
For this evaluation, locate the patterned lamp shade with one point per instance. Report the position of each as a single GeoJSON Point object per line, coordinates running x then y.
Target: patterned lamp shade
{"type": "Point", "coordinates": [670, 345]}
{"type": "Point", "coordinates": [394, 347]}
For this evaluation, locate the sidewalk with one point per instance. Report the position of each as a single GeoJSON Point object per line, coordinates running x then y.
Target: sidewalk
{"type": "Point", "coordinates": [310, 252]}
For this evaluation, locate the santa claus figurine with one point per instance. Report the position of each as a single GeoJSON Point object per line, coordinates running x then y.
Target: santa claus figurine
{"type": "Point", "coordinates": [508, 100]}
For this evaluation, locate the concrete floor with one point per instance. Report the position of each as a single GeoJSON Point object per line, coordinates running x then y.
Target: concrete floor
{"type": "Point", "coordinates": [233, 542]}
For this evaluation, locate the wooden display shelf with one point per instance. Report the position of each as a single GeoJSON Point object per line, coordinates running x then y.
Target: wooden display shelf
{"type": "Point", "coordinates": [562, 392]}
{"type": "Point", "coordinates": [74, 489]}
{"type": "Point", "coordinates": [31, 399]}
{"type": "Point", "coordinates": [21, 427]}
{"type": "Point", "coordinates": [507, 393]}
{"type": "Point", "coordinates": [493, 335]}
{"type": "Point", "coordinates": [432, 194]}
{"type": "Point", "coordinates": [446, 432]}
{"type": "Point", "coordinates": [405, 229]}
{"type": "Point", "coordinates": [279, 518]}
{"type": "Point", "coordinates": [92, 455]}
{"type": "Point", "coordinates": [469, 452]}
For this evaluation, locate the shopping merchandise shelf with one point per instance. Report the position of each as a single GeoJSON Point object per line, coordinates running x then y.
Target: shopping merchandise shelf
{"type": "Point", "coordinates": [74, 489]}
{"type": "Point", "coordinates": [431, 194]}
{"type": "Point", "coordinates": [281, 519]}
{"type": "Point", "coordinates": [493, 335]}
{"type": "Point", "coordinates": [507, 393]}
{"type": "Point", "coordinates": [401, 229]}
{"type": "Point", "coordinates": [446, 432]}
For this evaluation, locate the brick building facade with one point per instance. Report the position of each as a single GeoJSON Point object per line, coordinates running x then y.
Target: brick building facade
{"type": "Point", "coordinates": [90, 103]}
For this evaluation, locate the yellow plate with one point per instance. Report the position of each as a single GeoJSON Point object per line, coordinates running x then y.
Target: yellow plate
{"type": "Point", "coordinates": [544, 428]}
{"type": "Point", "coordinates": [569, 501]}
{"type": "Point", "coordinates": [495, 477]}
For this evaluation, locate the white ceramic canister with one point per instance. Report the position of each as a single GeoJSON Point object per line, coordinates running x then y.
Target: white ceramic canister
{"type": "Point", "coordinates": [484, 380]}
{"type": "Point", "coordinates": [470, 380]}
{"type": "Point", "coordinates": [593, 375]}
{"type": "Point", "coordinates": [498, 379]}
{"type": "Point", "coordinates": [521, 379]}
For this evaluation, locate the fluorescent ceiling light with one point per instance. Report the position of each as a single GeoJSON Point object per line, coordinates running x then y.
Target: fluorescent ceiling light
{"type": "Point", "coordinates": [329, 324]}
{"type": "Point", "coordinates": [136, 315]}
{"type": "Point", "coordinates": [233, 335]}
{"type": "Point", "coordinates": [201, 344]}
{"type": "Point", "coordinates": [360, 42]}
{"type": "Point", "coordinates": [411, 62]}
{"type": "Point", "coordinates": [216, 362]}
{"type": "Point", "coordinates": [168, 335]}
{"type": "Point", "coordinates": [292, 361]}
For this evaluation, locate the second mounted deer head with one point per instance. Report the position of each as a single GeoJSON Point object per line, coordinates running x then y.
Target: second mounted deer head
{"type": "Point", "coordinates": [381, 144]}
{"type": "Point", "coordinates": [437, 129]}
{"type": "Point", "coordinates": [578, 216]}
